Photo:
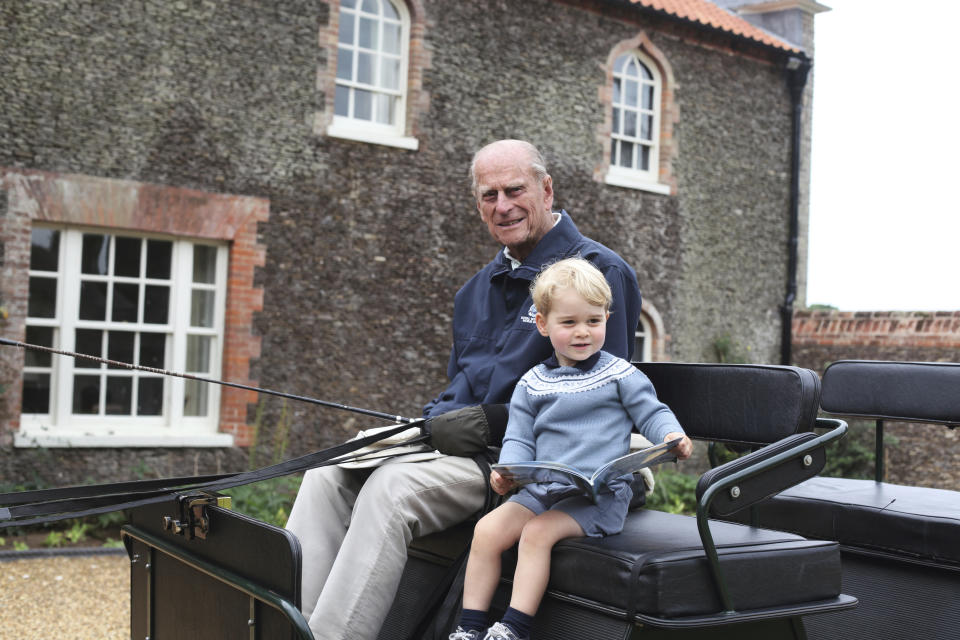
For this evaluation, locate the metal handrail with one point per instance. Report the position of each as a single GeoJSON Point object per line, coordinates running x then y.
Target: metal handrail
{"type": "Point", "coordinates": [703, 506]}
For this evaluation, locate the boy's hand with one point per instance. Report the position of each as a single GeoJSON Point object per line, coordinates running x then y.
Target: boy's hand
{"type": "Point", "coordinates": [684, 448]}
{"type": "Point", "coordinates": [500, 484]}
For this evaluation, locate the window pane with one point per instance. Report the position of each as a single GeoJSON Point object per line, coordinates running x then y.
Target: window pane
{"type": "Point", "coordinates": [42, 302]}
{"type": "Point", "coordinates": [646, 125]}
{"type": "Point", "coordinates": [648, 96]}
{"type": "Point", "coordinates": [365, 67]}
{"type": "Point", "coordinates": [630, 69]}
{"type": "Point", "coordinates": [36, 393]}
{"type": "Point", "coordinates": [371, 6]}
{"type": "Point", "coordinates": [638, 343]}
{"type": "Point", "coordinates": [120, 347]}
{"type": "Point", "coordinates": [630, 123]}
{"type": "Point", "coordinates": [205, 264]}
{"type": "Point", "coordinates": [195, 398]}
{"type": "Point", "coordinates": [94, 256]}
{"type": "Point", "coordinates": [198, 354]}
{"type": "Point", "coordinates": [158, 259]}
{"type": "Point", "coordinates": [344, 64]}
{"type": "Point", "coordinates": [347, 21]}
{"type": "Point", "coordinates": [125, 302]}
{"type": "Point", "coordinates": [156, 304]}
{"type": "Point", "coordinates": [620, 63]}
{"type": "Point", "coordinates": [390, 11]}
{"type": "Point", "coordinates": [384, 108]}
{"type": "Point", "coordinates": [119, 396]}
{"type": "Point", "coordinates": [644, 157]}
{"type": "Point", "coordinates": [88, 342]}
{"type": "Point", "coordinates": [616, 120]}
{"type": "Point", "coordinates": [201, 308]}
{"type": "Point", "coordinates": [86, 394]}
{"type": "Point", "coordinates": [362, 105]}
{"type": "Point", "coordinates": [126, 259]}
{"type": "Point", "coordinates": [44, 249]}
{"type": "Point", "coordinates": [368, 33]}
{"type": "Point", "coordinates": [349, 4]}
{"type": "Point", "coordinates": [391, 38]}
{"type": "Point", "coordinates": [630, 93]}
{"type": "Point", "coordinates": [341, 101]}
{"type": "Point", "coordinates": [616, 90]}
{"type": "Point", "coordinates": [42, 336]}
{"type": "Point", "coordinates": [152, 348]}
{"type": "Point", "coordinates": [93, 300]}
{"type": "Point", "coordinates": [390, 73]}
{"type": "Point", "coordinates": [644, 72]}
{"type": "Point", "coordinates": [150, 396]}
{"type": "Point", "coordinates": [626, 154]}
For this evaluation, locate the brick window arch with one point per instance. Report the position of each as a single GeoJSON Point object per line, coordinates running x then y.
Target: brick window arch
{"type": "Point", "coordinates": [650, 338]}
{"type": "Point", "coordinates": [136, 249]}
{"type": "Point", "coordinates": [372, 77]}
{"type": "Point", "coordinates": [637, 132]}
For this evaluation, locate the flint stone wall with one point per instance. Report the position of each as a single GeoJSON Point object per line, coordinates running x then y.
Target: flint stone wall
{"type": "Point", "coordinates": [366, 245]}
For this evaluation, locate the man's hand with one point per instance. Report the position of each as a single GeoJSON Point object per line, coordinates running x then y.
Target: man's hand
{"type": "Point", "coordinates": [500, 484]}
{"type": "Point", "coordinates": [684, 448]}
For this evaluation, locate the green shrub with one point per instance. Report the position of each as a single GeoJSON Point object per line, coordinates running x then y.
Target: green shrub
{"type": "Point", "coordinates": [673, 492]}
{"type": "Point", "coordinates": [853, 456]}
{"type": "Point", "coordinates": [269, 501]}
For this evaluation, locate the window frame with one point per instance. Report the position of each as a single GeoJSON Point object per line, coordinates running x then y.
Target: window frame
{"type": "Point", "coordinates": [370, 131]}
{"type": "Point", "coordinates": [634, 178]}
{"type": "Point", "coordinates": [60, 426]}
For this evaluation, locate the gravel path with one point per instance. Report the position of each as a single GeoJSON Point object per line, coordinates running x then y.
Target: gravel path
{"type": "Point", "coordinates": [76, 597]}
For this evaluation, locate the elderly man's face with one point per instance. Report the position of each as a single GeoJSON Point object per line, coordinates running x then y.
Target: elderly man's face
{"type": "Point", "coordinates": [514, 204]}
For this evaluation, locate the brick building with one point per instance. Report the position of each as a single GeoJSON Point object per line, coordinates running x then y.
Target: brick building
{"type": "Point", "coordinates": [276, 194]}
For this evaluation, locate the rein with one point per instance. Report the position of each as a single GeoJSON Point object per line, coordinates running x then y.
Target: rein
{"type": "Point", "coordinates": [50, 505]}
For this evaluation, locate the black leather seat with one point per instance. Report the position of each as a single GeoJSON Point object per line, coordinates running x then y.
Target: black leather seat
{"type": "Point", "coordinates": [899, 543]}
{"type": "Point", "coordinates": [669, 570]}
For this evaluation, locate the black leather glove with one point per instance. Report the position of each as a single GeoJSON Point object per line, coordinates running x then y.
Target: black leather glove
{"type": "Point", "coordinates": [469, 430]}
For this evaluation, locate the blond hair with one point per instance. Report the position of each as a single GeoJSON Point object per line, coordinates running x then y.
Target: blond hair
{"type": "Point", "coordinates": [574, 273]}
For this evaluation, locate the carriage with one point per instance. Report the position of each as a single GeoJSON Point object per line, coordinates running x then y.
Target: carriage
{"type": "Point", "coordinates": [774, 550]}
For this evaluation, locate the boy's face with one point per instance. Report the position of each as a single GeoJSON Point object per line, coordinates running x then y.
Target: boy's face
{"type": "Point", "coordinates": [575, 327]}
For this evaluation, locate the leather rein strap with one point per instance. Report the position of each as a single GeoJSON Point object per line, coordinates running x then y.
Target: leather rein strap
{"type": "Point", "coordinates": [50, 505]}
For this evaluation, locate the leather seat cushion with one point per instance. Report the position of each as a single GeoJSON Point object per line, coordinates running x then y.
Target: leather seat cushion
{"type": "Point", "coordinates": [916, 522]}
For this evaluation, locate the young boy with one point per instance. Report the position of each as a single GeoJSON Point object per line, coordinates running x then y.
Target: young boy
{"type": "Point", "coordinates": [578, 407]}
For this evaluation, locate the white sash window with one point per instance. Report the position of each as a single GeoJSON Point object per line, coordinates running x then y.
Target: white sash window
{"type": "Point", "coordinates": [369, 102]}
{"type": "Point", "coordinates": [151, 301]}
{"type": "Point", "coordinates": [635, 124]}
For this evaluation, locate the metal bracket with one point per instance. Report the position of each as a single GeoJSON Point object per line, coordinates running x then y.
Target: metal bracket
{"type": "Point", "coordinates": [192, 520]}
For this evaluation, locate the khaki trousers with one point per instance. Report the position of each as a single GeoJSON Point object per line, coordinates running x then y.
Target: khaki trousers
{"type": "Point", "coordinates": [354, 526]}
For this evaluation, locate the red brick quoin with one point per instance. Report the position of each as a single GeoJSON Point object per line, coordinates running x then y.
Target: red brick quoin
{"type": "Point", "coordinates": [33, 196]}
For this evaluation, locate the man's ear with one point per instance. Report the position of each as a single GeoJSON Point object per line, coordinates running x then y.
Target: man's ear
{"type": "Point", "coordinates": [542, 325]}
{"type": "Point", "coordinates": [548, 192]}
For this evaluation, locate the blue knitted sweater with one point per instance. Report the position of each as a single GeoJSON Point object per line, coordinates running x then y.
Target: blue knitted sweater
{"type": "Point", "coordinates": [582, 416]}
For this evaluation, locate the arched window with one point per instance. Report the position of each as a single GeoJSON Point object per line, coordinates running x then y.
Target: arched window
{"type": "Point", "coordinates": [371, 84]}
{"type": "Point", "coordinates": [649, 337]}
{"type": "Point", "coordinates": [635, 133]}
{"type": "Point", "coordinates": [643, 340]}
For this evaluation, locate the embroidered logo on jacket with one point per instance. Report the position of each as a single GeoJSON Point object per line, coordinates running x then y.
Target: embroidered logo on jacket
{"type": "Point", "coordinates": [531, 315]}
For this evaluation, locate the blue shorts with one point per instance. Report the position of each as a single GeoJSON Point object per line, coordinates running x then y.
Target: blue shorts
{"type": "Point", "coordinates": [604, 518]}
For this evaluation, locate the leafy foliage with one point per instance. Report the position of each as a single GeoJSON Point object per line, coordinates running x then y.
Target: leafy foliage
{"type": "Point", "coordinates": [673, 492]}
{"type": "Point", "coordinates": [269, 501]}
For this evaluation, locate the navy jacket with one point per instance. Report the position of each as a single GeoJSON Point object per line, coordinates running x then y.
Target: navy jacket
{"type": "Point", "coordinates": [495, 338]}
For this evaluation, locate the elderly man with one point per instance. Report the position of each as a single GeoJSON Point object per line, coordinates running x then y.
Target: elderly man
{"type": "Point", "coordinates": [354, 525]}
